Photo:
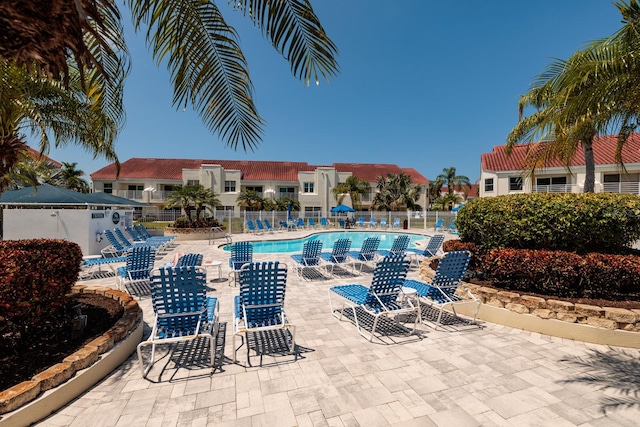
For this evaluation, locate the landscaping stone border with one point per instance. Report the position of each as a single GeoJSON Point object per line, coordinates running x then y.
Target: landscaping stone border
{"type": "Point", "coordinates": [623, 322]}
{"type": "Point", "coordinates": [48, 391]}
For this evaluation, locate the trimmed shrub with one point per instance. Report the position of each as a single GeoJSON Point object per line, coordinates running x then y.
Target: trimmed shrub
{"type": "Point", "coordinates": [564, 274]}
{"type": "Point", "coordinates": [582, 223]}
{"type": "Point", "coordinates": [183, 222]}
{"type": "Point", "coordinates": [35, 277]}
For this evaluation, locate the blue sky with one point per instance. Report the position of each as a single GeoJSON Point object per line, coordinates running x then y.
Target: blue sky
{"type": "Point", "coordinates": [422, 83]}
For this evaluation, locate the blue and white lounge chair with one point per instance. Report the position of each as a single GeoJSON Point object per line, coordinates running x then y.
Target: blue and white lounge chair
{"type": "Point", "coordinates": [241, 254]}
{"type": "Point", "coordinates": [142, 230]}
{"type": "Point", "coordinates": [138, 265]}
{"type": "Point", "coordinates": [127, 243]}
{"type": "Point", "coordinates": [396, 223]}
{"type": "Point", "coordinates": [251, 227]}
{"type": "Point", "coordinates": [383, 222]}
{"type": "Point", "coordinates": [183, 312]}
{"type": "Point", "coordinates": [89, 265]}
{"type": "Point", "coordinates": [309, 258]}
{"type": "Point", "coordinates": [383, 298]}
{"type": "Point", "coordinates": [338, 254]}
{"type": "Point", "coordinates": [446, 288]}
{"type": "Point", "coordinates": [372, 222]}
{"type": "Point", "coordinates": [189, 260]}
{"type": "Point", "coordinates": [268, 226]}
{"type": "Point", "coordinates": [311, 223]}
{"type": "Point", "coordinates": [260, 304]}
{"type": "Point", "coordinates": [452, 227]}
{"type": "Point", "coordinates": [367, 252]}
{"type": "Point", "coordinates": [438, 225]}
{"type": "Point", "coordinates": [261, 227]}
{"type": "Point", "coordinates": [115, 248]}
{"type": "Point", "coordinates": [361, 222]}
{"type": "Point", "coordinates": [433, 247]}
{"type": "Point", "coordinates": [399, 246]}
{"type": "Point", "coordinates": [300, 223]}
{"type": "Point", "coordinates": [323, 222]}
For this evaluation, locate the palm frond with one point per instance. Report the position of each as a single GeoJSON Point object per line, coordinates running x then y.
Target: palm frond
{"type": "Point", "coordinates": [208, 69]}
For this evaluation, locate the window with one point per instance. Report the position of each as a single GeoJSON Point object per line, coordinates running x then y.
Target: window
{"type": "Point", "coordinates": [107, 187]}
{"type": "Point", "coordinates": [488, 185]}
{"type": "Point", "coordinates": [312, 210]}
{"type": "Point", "coordinates": [515, 183]}
{"type": "Point", "coordinates": [287, 191]}
{"type": "Point", "coordinates": [256, 188]}
{"type": "Point", "coordinates": [193, 182]}
{"type": "Point", "coordinates": [308, 187]}
{"type": "Point", "coordinates": [556, 180]}
{"type": "Point", "coordinates": [169, 188]}
{"type": "Point", "coordinates": [134, 187]}
{"type": "Point", "coordinates": [229, 186]}
{"type": "Point", "coordinates": [612, 178]}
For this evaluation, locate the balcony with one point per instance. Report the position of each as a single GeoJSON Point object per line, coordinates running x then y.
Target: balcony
{"type": "Point", "coordinates": [557, 188]}
{"type": "Point", "coordinates": [621, 187]}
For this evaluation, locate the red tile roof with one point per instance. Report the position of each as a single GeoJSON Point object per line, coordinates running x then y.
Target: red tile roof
{"type": "Point", "coordinates": [603, 151]}
{"type": "Point", "coordinates": [35, 154]}
{"type": "Point", "coordinates": [139, 168]}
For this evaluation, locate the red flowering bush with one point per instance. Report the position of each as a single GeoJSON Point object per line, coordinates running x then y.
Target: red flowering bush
{"type": "Point", "coordinates": [35, 277]}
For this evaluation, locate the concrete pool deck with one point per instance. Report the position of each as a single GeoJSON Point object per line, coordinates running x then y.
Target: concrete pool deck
{"type": "Point", "coordinates": [464, 375]}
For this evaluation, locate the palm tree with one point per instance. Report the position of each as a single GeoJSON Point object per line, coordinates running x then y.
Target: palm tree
{"type": "Point", "coordinates": [283, 204]}
{"type": "Point", "coordinates": [70, 177]}
{"type": "Point", "coordinates": [29, 172]}
{"type": "Point", "coordinates": [395, 192]}
{"type": "Point", "coordinates": [594, 91]}
{"type": "Point", "coordinates": [433, 190]}
{"type": "Point", "coordinates": [182, 197]}
{"type": "Point", "coordinates": [67, 115]}
{"type": "Point", "coordinates": [452, 180]}
{"type": "Point", "coordinates": [208, 69]}
{"type": "Point", "coordinates": [204, 198]}
{"type": "Point", "coordinates": [250, 200]}
{"type": "Point", "coordinates": [354, 187]}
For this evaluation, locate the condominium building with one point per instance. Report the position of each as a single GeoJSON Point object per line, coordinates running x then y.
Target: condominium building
{"type": "Point", "coordinates": [151, 180]}
{"type": "Point", "coordinates": [501, 174]}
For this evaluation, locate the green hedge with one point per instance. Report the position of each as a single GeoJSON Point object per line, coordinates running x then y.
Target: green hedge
{"type": "Point", "coordinates": [603, 222]}
{"type": "Point", "coordinates": [35, 277]}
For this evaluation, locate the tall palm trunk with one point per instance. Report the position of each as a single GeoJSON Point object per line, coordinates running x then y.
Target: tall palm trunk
{"type": "Point", "coordinates": [590, 165]}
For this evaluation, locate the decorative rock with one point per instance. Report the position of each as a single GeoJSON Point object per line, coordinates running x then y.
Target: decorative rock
{"type": "Point", "coordinates": [588, 310]}
{"type": "Point", "coordinates": [544, 313]}
{"type": "Point", "coordinates": [507, 297]}
{"type": "Point", "coordinates": [55, 375]}
{"type": "Point", "coordinates": [602, 323]}
{"type": "Point", "coordinates": [566, 317]}
{"type": "Point", "coordinates": [102, 344]}
{"type": "Point", "coordinates": [518, 308]}
{"type": "Point", "coordinates": [18, 395]}
{"type": "Point", "coordinates": [560, 305]}
{"type": "Point", "coordinates": [532, 302]}
{"type": "Point", "coordinates": [495, 303]}
{"type": "Point", "coordinates": [82, 358]}
{"type": "Point", "coordinates": [620, 315]}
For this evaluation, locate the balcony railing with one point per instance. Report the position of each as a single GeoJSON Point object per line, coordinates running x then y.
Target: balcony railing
{"type": "Point", "coordinates": [556, 188]}
{"type": "Point", "coordinates": [621, 187]}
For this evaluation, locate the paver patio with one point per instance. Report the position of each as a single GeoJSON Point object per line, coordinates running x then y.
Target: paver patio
{"type": "Point", "coordinates": [465, 375]}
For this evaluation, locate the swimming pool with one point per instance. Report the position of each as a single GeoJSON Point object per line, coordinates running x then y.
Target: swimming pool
{"type": "Point", "coordinates": [357, 237]}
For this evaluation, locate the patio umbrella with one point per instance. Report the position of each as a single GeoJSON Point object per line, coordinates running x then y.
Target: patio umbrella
{"type": "Point", "coordinates": [342, 209]}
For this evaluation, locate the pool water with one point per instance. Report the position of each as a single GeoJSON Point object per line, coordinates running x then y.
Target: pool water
{"type": "Point", "coordinates": [327, 239]}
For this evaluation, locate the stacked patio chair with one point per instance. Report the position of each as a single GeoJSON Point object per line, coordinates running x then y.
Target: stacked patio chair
{"type": "Point", "coordinates": [241, 254]}
{"type": "Point", "coordinates": [367, 252]}
{"type": "Point", "coordinates": [138, 265]}
{"type": "Point", "coordinates": [383, 297]}
{"type": "Point", "coordinates": [338, 254]}
{"type": "Point", "coordinates": [399, 246]}
{"type": "Point", "coordinates": [116, 248]}
{"type": "Point", "coordinates": [126, 242]}
{"type": "Point", "coordinates": [251, 227]}
{"type": "Point", "coordinates": [446, 288]}
{"type": "Point", "coordinates": [431, 250]}
{"type": "Point", "coordinates": [183, 312]}
{"type": "Point", "coordinates": [259, 306]}
{"type": "Point", "coordinates": [309, 258]}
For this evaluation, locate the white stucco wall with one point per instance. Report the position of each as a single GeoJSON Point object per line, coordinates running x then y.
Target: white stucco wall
{"type": "Point", "coordinates": [75, 225]}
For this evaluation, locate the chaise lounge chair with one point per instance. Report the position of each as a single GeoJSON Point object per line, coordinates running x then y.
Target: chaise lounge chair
{"type": "Point", "coordinates": [183, 312]}
{"type": "Point", "coordinates": [260, 304]}
{"type": "Point", "coordinates": [383, 298]}
{"type": "Point", "coordinates": [446, 288]}
{"type": "Point", "coordinates": [309, 258]}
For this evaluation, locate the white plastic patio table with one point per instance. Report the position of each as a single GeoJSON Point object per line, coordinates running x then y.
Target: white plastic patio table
{"type": "Point", "coordinates": [218, 264]}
